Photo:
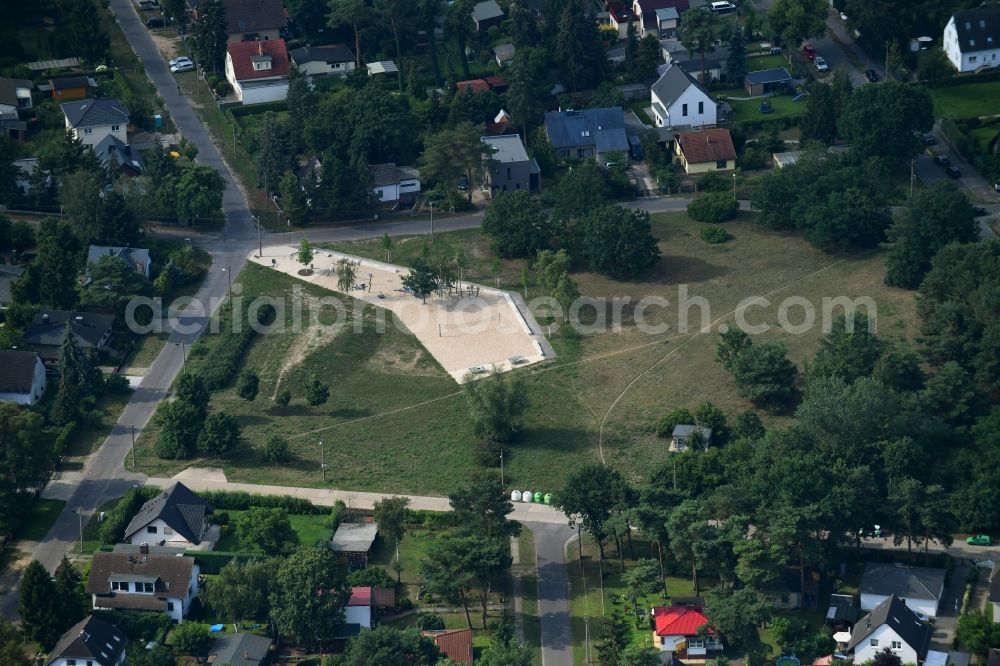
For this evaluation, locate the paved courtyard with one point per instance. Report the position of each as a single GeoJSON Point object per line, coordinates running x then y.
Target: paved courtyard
{"type": "Point", "coordinates": [471, 330]}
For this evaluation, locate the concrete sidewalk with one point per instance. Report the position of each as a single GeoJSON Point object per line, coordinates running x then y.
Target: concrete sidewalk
{"type": "Point", "coordinates": [536, 513]}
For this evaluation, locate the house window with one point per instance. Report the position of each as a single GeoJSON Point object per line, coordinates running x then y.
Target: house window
{"type": "Point", "coordinates": [71, 662]}
{"type": "Point", "coordinates": [170, 607]}
{"type": "Point", "coordinates": [684, 109]}
{"type": "Point", "coordinates": [971, 59]}
{"type": "Point", "coordinates": [88, 130]}
{"type": "Point", "coordinates": [151, 529]}
{"type": "Point", "coordinates": [897, 645]}
{"type": "Point", "coordinates": [115, 128]}
{"type": "Point", "coordinates": [874, 642]}
{"type": "Point", "coordinates": [166, 530]}
{"type": "Point", "coordinates": [972, 42]}
{"type": "Point", "coordinates": [579, 152]}
{"type": "Point", "coordinates": [721, 164]}
{"type": "Point", "coordinates": [508, 173]}
{"type": "Point", "coordinates": [695, 643]}
{"type": "Point", "coordinates": [147, 587]}
{"type": "Point", "coordinates": [701, 107]}
{"type": "Point", "coordinates": [119, 586]}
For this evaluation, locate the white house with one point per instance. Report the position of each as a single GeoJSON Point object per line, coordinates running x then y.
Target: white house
{"type": "Point", "coordinates": [680, 101]}
{"type": "Point", "coordinates": [678, 630]}
{"type": "Point", "coordinates": [90, 642]}
{"type": "Point", "coordinates": [176, 517]}
{"type": "Point", "coordinates": [395, 183]}
{"type": "Point", "coordinates": [891, 625]}
{"type": "Point", "coordinates": [335, 59]}
{"type": "Point", "coordinates": [920, 588]}
{"type": "Point", "coordinates": [22, 377]}
{"type": "Point", "coordinates": [359, 607]}
{"type": "Point", "coordinates": [91, 120]}
{"type": "Point", "coordinates": [681, 436]}
{"type": "Point", "coordinates": [258, 70]}
{"type": "Point", "coordinates": [972, 38]}
{"type": "Point", "coordinates": [143, 582]}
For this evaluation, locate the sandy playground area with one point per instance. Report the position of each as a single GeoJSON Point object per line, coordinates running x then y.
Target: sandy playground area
{"type": "Point", "coordinates": [467, 331]}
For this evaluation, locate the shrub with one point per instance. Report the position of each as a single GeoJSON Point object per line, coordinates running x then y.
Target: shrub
{"type": "Point", "coordinates": [220, 433]}
{"type": "Point", "coordinates": [713, 182]}
{"type": "Point", "coordinates": [117, 519]}
{"type": "Point", "coordinates": [222, 88]}
{"type": "Point", "coordinates": [665, 426]}
{"type": "Point", "coordinates": [714, 235]}
{"type": "Point", "coordinates": [191, 638]}
{"type": "Point", "coordinates": [63, 437]}
{"type": "Point", "coordinates": [220, 518]}
{"type": "Point", "coordinates": [317, 393]}
{"type": "Point", "coordinates": [714, 208]}
{"type": "Point", "coordinates": [370, 577]}
{"type": "Point", "coordinates": [276, 449]}
{"type": "Point", "coordinates": [222, 362]}
{"type": "Point", "coordinates": [283, 398]}
{"type": "Point", "coordinates": [429, 622]}
{"type": "Point", "coordinates": [139, 626]}
{"type": "Point", "coordinates": [117, 384]}
{"type": "Point", "coordinates": [238, 500]}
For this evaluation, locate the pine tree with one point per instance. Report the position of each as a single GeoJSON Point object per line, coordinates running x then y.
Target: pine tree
{"type": "Point", "coordinates": [39, 607]}
{"type": "Point", "coordinates": [57, 263]}
{"type": "Point", "coordinates": [210, 34]}
{"type": "Point", "coordinates": [736, 63]}
{"type": "Point", "coordinates": [72, 604]}
{"type": "Point", "coordinates": [74, 379]}
{"type": "Point", "coordinates": [617, 636]}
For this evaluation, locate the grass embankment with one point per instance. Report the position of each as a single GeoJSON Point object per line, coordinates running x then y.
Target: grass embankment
{"type": "Point", "coordinates": [970, 100]}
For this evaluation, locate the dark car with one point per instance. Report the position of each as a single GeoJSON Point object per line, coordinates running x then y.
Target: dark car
{"type": "Point", "coordinates": [929, 139]}
{"type": "Point", "coordinates": [463, 183]}
{"type": "Point", "coordinates": [942, 160]}
{"type": "Point", "coordinates": [953, 172]}
{"type": "Point", "coordinates": [871, 75]}
{"type": "Point", "coordinates": [980, 211]}
{"type": "Point", "coordinates": [154, 22]}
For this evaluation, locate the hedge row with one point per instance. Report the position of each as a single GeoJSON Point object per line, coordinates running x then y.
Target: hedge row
{"type": "Point", "coordinates": [143, 627]}
{"type": "Point", "coordinates": [212, 562]}
{"type": "Point", "coordinates": [117, 519]}
{"type": "Point", "coordinates": [963, 80]}
{"type": "Point", "coordinates": [225, 357]}
{"type": "Point", "coordinates": [63, 437]}
{"type": "Point", "coordinates": [238, 500]}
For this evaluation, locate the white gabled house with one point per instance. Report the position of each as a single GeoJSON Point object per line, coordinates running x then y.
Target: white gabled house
{"type": "Point", "coordinates": [22, 377]}
{"type": "Point", "coordinates": [678, 100]}
{"type": "Point", "coordinates": [258, 71]}
{"type": "Point", "coordinates": [176, 518]}
{"type": "Point", "coordinates": [890, 625]}
{"type": "Point", "coordinates": [143, 582]}
{"type": "Point", "coordinates": [972, 38]}
{"type": "Point", "coordinates": [91, 120]}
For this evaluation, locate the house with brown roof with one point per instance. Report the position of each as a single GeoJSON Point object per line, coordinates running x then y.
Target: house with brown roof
{"type": "Point", "coordinates": [705, 151]}
{"type": "Point", "coordinates": [254, 20]}
{"type": "Point", "coordinates": [258, 71]}
{"type": "Point", "coordinates": [143, 582]}
{"type": "Point", "coordinates": [455, 644]}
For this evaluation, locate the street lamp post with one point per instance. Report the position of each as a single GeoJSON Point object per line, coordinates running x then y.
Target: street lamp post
{"type": "Point", "coordinates": [133, 447]}
{"type": "Point", "coordinates": [79, 512]}
{"type": "Point", "coordinates": [228, 270]}
{"type": "Point", "coordinates": [260, 245]}
{"type": "Point", "coordinates": [501, 465]}
{"type": "Point", "coordinates": [184, 361]}
{"type": "Point", "coordinates": [734, 185]}
{"type": "Point", "coordinates": [432, 221]}
{"type": "Point", "coordinates": [322, 459]}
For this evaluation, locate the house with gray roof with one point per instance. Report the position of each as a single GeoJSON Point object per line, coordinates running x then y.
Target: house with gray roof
{"type": "Point", "coordinates": [333, 59]}
{"type": "Point", "coordinates": [136, 257]}
{"type": "Point", "coordinates": [91, 120]}
{"type": "Point", "coordinates": [679, 101]}
{"type": "Point", "coordinates": [893, 625]}
{"type": "Point", "coordinates": [47, 330]}
{"type": "Point", "coordinates": [90, 641]}
{"type": "Point", "coordinates": [510, 169]}
{"type": "Point", "coordinates": [681, 437]}
{"type": "Point", "coordinates": [487, 14]}
{"type": "Point", "coordinates": [586, 133]}
{"type": "Point", "coordinates": [112, 152]}
{"type": "Point", "coordinates": [393, 184]}
{"type": "Point", "coordinates": [921, 588]}
{"type": "Point", "coordinates": [504, 54]}
{"type": "Point", "coordinates": [176, 518]}
{"type": "Point", "coordinates": [240, 650]}
{"type": "Point", "coordinates": [14, 94]}
{"type": "Point", "coordinates": [353, 542]}
{"type": "Point", "coordinates": [22, 377]}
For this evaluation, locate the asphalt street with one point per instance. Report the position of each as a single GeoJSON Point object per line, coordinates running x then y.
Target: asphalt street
{"type": "Point", "coordinates": [553, 592]}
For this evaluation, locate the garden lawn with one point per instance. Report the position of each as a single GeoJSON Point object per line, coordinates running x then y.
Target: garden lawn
{"type": "Point", "coordinates": [39, 520]}
{"type": "Point", "coordinates": [970, 100]}
{"type": "Point", "coordinates": [311, 530]}
{"type": "Point", "coordinates": [760, 63]}
{"type": "Point", "coordinates": [782, 106]}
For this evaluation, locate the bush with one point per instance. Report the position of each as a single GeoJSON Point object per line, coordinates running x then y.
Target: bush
{"type": "Point", "coordinates": [713, 182]}
{"type": "Point", "coordinates": [211, 562]}
{"type": "Point", "coordinates": [283, 398]}
{"type": "Point", "coordinates": [429, 622]}
{"type": "Point", "coordinates": [142, 627]}
{"type": "Point", "coordinates": [713, 208]}
{"type": "Point", "coordinates": [191, 638]}
{"type": "Point", "coordinates": [276, 449]}
{"type": "Point", "coordinates": [665, 426]}
{"type": "Point", "coordinates": [222, 88]}
{"type": "Point", "coordinates": [117, 384]}
{"type": "Point", "coordinates": [219, 433]}
{"type": "Point", "coordinates": [63, 437]}
{"type": "Point", "coordinates": [220, 518]}
{"type": "Point", "coordinates": [488, 453]}
{"type": "Point", "coordinates": [117, 519]}
{"type": "Point", "coordinates": [370, 577]}
{"type": "Point", "coordinates": [238, 500]}
{"type": "Point", "coordinates": [714, 235]}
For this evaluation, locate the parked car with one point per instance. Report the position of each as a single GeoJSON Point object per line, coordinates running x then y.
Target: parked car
{"type": "Point", "coordinates": [155, 22]}
{"type": "Point", "coordinates": [843, 16]}
{"type": "Point", "coordinates": [996, 186]}
{"type": "Point", "coordinates": [463, 183]}
{"type": "Point", "coordinates": [942, 160]}
{"type": "Point", "coordinates": [809, 51]}
{"type": "Point", "coordinates": [821, 65]}
{"type": "Point", "coordinates": [183, 65]}
{"type": "Point", "coordinates": [871, 75]}
{"type": "Point", "coordinates": [953, 172]}
{"type": "Point", "coordinates": [174, 61]}
{"type": "Point", "coordinates": [929, 139]}
{"type": "Point", "coordinates": [979, 540]}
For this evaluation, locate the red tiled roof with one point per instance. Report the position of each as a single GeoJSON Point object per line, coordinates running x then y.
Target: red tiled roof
{"type": "Point", "coordinates": [619, 11]}
{"type": "Point", "coordinates": [456, 644]}
{"type": "Point", "coordinates": [476, 85]}
{"type": "Point", "coordinates": [711, 145]}
{"type": "Point", "coordinates": [678, 621]}
{"type": "Point", "coordinates": [243, 52]}
{"type": "Point", "coordinates": [384, 597]}
{"type": "Point", "coordinates": [496, 81]}
{"type": "Point", "coordinates": [360, 596]}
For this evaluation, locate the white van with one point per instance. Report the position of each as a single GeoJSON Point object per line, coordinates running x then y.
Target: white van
{"type": "Point", "coordinates": [722, 7]}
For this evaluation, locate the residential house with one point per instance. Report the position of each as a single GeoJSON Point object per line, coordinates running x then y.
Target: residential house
{"type": "Point", "coordinates": [353, 542]}
{"type": "Point", "coordinates": [921, 588]}
{"type": "Point", "coordinates": [254, 20]}
{"type": "Point", "coordinates": [243, 649]}
{"type": "Point", "coordinates": [333, 59]}
{"type": "Point", "coordinates": [176, 517]}
{"type": "Point", "coordinates": [486, 15]}
{"type": "Point", "coordinates": [69, 88]}
{"type": "Point", "coordinates": [675, 53]}
{"type": "Point", "coordinates": [258, 71]}
{"type": "Point", "coordinates": [994, 593]}
{"type": "Point", "coordinates": [143, 582]}
{"type": "Point", "coordinates": [93, 119]}
{"type": "Point", "coordinates": [504, 54]}
{"type": "Point", "coordinates": [842, 613]}
{"type": "Point", "coordinates": [994, 657]}
{"type": "Point", "coordinates": [499, 125]}
{"type": "Point", "coordinates": [8, 276]}
{"type": "Point", "coordinates": [619, 15]}
{"type": "Point", "coordinates": [647, 22]}
{"type": "Point", "coordinates": [46, 332]}
{"type": "Point", "coordinates": [112, 151]}
{"type": "Point", "coordinates": [668, 19]}
{"type": "Point", "coordinates": [767, 80]}
{"type": "Point", "coordinates": [359, 608]}
{"type": "Point", "coordinates": [587, 133]}
{"type": "Point", "coordinates": [136, 257]}
{"type": "Point", "coordinates": [891, 624]}
{"type": "Point", "coordinates": [705, 151]}
{"type": "Point", "coordinates": [680, 439]}
{"type": "Point", "coordinates": [972, 38]}
{"type": "Point", "coordinates": [510, 167]}
{"type": "Point", "coordinates": [22, 377]}
{"type": "Point", "coordinates": [678, 100]}
{"type": "Point", "coordinates": [455, 644]}
{"type": "Point", "coordinates": [27, 168]}
{"type": "Point", "coordinates": [394, 184]}
{"type": "Point", "coordinates": [12, 127]}
{"type": "Point", "coordinates": [14, 94]}
{"type": "Point", "coordinates": [91, 642]}
{"type": "Point", "coordinates": [473, 85]}
{"type": "Point", "coordinates": [676, 629]}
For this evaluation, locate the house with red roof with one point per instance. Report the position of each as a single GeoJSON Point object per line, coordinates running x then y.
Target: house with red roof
{"type": "Point", "coordinates": [258, 70]}
{"type": "Point", "coordinates": [359, 607]}
{"type": "Point", "coordinates": [678, 630]}
{"type": "Point", "coordinates": [455, 644]}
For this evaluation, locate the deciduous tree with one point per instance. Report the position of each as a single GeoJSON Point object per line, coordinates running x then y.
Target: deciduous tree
{"type": "Point", "coordinates": [241, 590]}
{"type": "Point", "coordinates": [389, 646]}
{"type": "Point", "coordinates": [496, 405]}
{"type": "Point", "coordinates": [618, 242]}
{"type": "Point", "coordinates": [699, 32]}
{"type": "Point", "coordinates": [309, 595]}
{"type": "Point", "coordinates": [267, 529]}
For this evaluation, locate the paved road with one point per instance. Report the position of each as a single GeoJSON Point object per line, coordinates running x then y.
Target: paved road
{"type": "Point", "coordinates": [553, 592]}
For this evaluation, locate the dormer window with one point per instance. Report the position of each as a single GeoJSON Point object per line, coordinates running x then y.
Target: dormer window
{"type": "Point", "coordinates": [261, 62]}
{"type": "Point", "coordinates": [972, 42]}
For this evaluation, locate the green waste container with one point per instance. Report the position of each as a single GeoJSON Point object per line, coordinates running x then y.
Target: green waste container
{"type": "Point", "coordinates": [538, 497]}
{"type": "Point", "coordinates": [548, 498]}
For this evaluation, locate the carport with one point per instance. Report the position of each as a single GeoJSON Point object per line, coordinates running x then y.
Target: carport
{"type": "Point", "coordinates": [767, 80]}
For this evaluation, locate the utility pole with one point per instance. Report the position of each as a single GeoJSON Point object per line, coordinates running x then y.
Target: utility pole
{"type": "Point", "coordinates": [229, 271]}
{"type": "Point", "coordinates": [432, 221]}
{"type": "Point", "coordinates": [79, 512]}
{"type": "Point", "coordinates": [913, 177]}
{"type": "Point", "coordinates": [501, 465]}
{"type": "Point", "coordinates": [260, 246]}
{"type": "Point", "coordinates": [322, 459]}
{"type": "Point", "coordinates": [133, 447]}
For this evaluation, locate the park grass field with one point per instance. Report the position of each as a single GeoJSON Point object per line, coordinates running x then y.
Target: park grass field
{"type": "Point", "coordinates": [396, 422]}
{"type": "Point", "coordinates": [969, 100]}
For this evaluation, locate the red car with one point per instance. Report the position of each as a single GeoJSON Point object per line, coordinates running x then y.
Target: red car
{"type": "Point", "coordinates": [809, 51]}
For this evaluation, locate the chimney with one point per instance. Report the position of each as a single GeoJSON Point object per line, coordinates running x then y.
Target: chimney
{"type": "Point", "coordinates": [45, 317]}
{"type": "Point", "coordinates": [260, 48]}
{"type": "Point", "coordinates": [144, 549]}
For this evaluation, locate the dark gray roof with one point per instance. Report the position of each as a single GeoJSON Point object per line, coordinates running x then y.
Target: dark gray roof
{"type": "Point", "coordinates": [91, 638]}
{"type": "Point", "coordinates": [111, 148]}
{"type": "Point", "coordinates": [504, 52]}
{"type": "Point", "coordinates": [17, 371]}
{"type": "Point", "coordinates": [906, 582]}
{"type": "Point", "coordinates": [245, 16]}
{"type": "Point", "coordinates": [133, 256]}
{"type": "Point", "coordinates": [978, 29]}
{"type": "Point", "coordinates": [240, 649]}
{"type": "Point", "coordinates": [486, 10]}
{"type": "Point", "coordinates": [67, 82]}
{"type": "Point", "coordinates": [773, 75]}
{"type": "Point", "coordinates": [506, 148]}
{"type": "Point", "coordinates": [330, 53]}
{"type": "Point", "coordinates": [391, 174]}
{"type": "Point", "coordinates": [48, 328]}
{"type": "Point", "coordinates": [995, 584]}
{"type": "Point", "coordinates": [895, 613]}
{"type": "Point", "coordinates": [8, 89]}
{"type": "Point", "coordinates": [354, 537]}
{"type": "Point", "coordinates": [179, 508]}
{"type": "Point", "coordinates": [686, 430]}
{"type": "Point", "coordinates": [94, 112]}
{"type": "Point", "coordinates": [603, 128]}
{"type": "Point", "coordinates": [674, 82]}
{"type": "Point", "coordinates": [8, 276]}
{"type": "Point", "coordinates": [994, 658]}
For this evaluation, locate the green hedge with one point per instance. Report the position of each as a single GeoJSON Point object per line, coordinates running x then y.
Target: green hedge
{"type": "Point", "coordinates": [963, 80]}
{"type": "Point", "coordinates": [238, 500]}
{"type": "Point", "coordinates": [256, 109]}
{"type": "Point", "coordinates": [212, 562]}
{"type": "Point", "coordinates": [142, 627]}
{"type": "Point", "coordinates": [117, 519]}
{"type": "Point", "coordinates": [63, 437]}
{"type": "Point", "coordinates": [225, 357]}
